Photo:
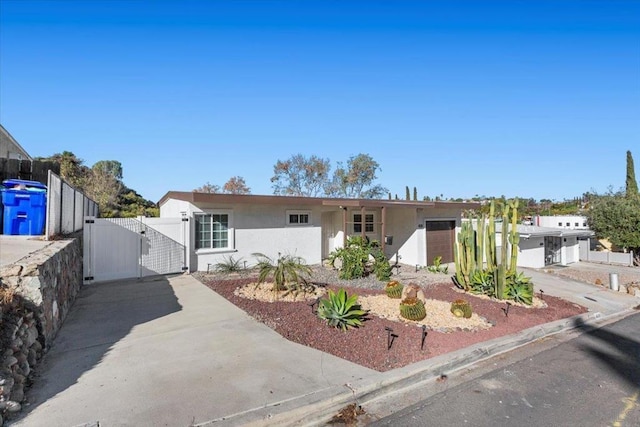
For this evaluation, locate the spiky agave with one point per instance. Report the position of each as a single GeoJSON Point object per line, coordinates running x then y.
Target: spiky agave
{"type": "Point", "coordinates": [340, 310]}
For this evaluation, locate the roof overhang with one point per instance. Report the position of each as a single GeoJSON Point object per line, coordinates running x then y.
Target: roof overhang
{"type": "Point", "coordinates": [196, 198]}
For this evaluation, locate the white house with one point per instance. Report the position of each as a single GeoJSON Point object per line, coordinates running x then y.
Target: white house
{"type": "Point", "coordinates": [565, 222]}
{"type": "Point", "coordinates": [543, 246]}
{"type": "Point", "coordinates": [223, 225]}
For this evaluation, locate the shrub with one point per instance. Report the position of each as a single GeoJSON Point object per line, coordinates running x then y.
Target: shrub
{"type": "Point", "coordinates": [229, 265]}
{"type": "Point", "coordinates": [355, 259]}
{"type": "Point", "coordinates": [341, 311]}
{"type": "Point", "coordinates": [289, 273]}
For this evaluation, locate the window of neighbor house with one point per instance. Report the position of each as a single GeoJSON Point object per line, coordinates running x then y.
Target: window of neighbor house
{"type": "Point", "coordinates": [298, 217]}
{"type": "Point", "coordinates": [568, 224]}
{"type": "Point", "coordinates": [559, 224]}
{"type": "Point", "coordinates": [577, 224]}
{"type": "Point", "coordinates": [368, 223]}
{"type": "Point", "coordinates": [584, 224]}
{"type": "Point", "coordinates": [213, 230]}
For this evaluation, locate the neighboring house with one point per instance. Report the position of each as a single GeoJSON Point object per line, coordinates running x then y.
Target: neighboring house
{"type": "Point", "coordinates": [543, 246]}
{"type": "Point", "coordinates": [567, 222]}
{"type": "Point", "coordinates": [9, 147]}
{"type": "Point", "coordinates": [223, 225]}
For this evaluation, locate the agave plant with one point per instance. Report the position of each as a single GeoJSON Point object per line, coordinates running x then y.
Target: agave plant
{"type": "Point", "coordinates": [340, 310]}
{"type": "Point", "coordinates": [290, 273]}
{"type": "Point", "coordinates": [522, 293]}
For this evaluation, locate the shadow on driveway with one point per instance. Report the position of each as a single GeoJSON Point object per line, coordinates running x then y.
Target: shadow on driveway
{"type": "Point", "coordinates": [102, 315]}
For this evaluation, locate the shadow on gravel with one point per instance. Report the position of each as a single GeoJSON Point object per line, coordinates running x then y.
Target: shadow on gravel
{"type": "Point", "coordinates": [623, 357]}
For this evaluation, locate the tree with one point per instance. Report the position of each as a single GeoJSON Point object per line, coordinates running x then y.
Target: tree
{"type": "Point", "coordinates": [207, 188]}
{"type": "Point", "coordinates": [415, 194]}
{"type": "Point", "coordinates": [236, 185]}
{"type": "Point", "coordinates": [104, 187]}
{"type": "Point", "coordinates": [617, 218]}
{"type": "Point", "coordinates": [72, 169]}
{"type": "Point", "coordinates": [407, 193]}
{"type": "Point", "coordinates": [112, 167]}
{"type": "Point", "coordinates": [632, 184]}
{"type": "Point", "coordinates": [357, 179]}
{"type": "Point", "coordinates": [301, 176]}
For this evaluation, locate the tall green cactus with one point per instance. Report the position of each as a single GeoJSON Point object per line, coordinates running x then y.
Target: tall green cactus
{"type": "Point", "coordinates": [480, 243]}
{"type": "Point", "coordinates": [501, 274]}
{"type": "Point", "coordinates": [514, 236]}
{"type": "Point", "coordinates": [465, 255]}
{"type": "Point", "coordinates": [491, 239]}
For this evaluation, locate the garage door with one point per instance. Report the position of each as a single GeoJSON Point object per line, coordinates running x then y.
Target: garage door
{"type": "Point", "coordinates": [440, 238]}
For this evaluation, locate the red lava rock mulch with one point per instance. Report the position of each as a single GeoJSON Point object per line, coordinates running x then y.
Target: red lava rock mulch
{"type": "Point", "coordinates": [367, 345]}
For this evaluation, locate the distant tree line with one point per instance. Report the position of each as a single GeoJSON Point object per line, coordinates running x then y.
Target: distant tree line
{"type": "Point", "coordinates": [102, 182]}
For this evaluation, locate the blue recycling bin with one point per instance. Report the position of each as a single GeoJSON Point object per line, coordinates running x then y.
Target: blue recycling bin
{"type": "Point", "coordinates": [25, 207]}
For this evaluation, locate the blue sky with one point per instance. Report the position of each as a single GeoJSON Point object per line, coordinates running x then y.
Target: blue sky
{"type": "Point", "coordinates": [461, 98]}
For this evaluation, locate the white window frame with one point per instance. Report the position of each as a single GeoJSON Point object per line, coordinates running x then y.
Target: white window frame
{"type": "Point", "coordinates": [230, 231]}
{"type": "Point", "coordinates": [299, 214]}
{"type": "Point", "coordinates": [363, 223]}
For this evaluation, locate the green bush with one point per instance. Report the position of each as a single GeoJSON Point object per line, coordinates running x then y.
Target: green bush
{"type": "Point", "coordinates": [355, 259]}
{"type": "Point", "coordinates": [289, 273]}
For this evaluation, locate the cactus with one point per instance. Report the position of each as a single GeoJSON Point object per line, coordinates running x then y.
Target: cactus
{"type": "Point", "coordinates": [393, 289]}
{"type": "Point", "coordinates": [491, 239]}
{"type": "Point", "coordinates": [480, 243]}
{"type": "Point", "coordinates": [461, 308]}
{"type": "Point", "coordinates": [412, 309]}
{"type": "Point", "coordinates": [465, 255]}
{"type": "Point", "coordinates": [514, 236]}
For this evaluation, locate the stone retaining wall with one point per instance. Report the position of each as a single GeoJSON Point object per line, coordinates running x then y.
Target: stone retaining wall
{"type": "Point", "coordinates": [39, 290]}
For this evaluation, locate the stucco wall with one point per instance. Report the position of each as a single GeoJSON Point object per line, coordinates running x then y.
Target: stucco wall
{"type": "Point", "coordinates": [570, 250]}
{"type": "Point", "coordinates": [531, 252]}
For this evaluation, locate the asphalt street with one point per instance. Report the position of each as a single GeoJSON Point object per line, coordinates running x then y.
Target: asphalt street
{"type": "Point", "coordinates": [592, 379]}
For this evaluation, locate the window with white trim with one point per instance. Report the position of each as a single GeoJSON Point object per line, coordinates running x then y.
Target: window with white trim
{"type": "Point", "coordinates": [298, 217]}
{"type": "Point", "coordinates": [369, 223]}
{"type": "Point", "coordinates": [213, 230]}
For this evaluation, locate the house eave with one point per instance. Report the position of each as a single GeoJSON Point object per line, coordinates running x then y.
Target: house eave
{"type": "Point", "coordinates": [195, 198]}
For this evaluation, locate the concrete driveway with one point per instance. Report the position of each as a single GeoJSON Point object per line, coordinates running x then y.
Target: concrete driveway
{"type": "Point", "coordinates": [171, 352]}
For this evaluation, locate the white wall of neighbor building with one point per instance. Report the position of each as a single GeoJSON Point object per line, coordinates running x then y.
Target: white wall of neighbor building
{"type": "Point", "coordinates": [531, 252]}
{"type": "Point", "coordinates": [575, 222]}
{"type": "Point", "coordinates": [570, 250]}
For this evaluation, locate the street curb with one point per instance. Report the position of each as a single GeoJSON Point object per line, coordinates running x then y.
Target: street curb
{"type": "Point", "coordinates": [317, 408]}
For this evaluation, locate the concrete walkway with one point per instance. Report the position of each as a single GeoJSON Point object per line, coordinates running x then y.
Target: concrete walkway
{"type": "Point", "coordinates": [172, 352]}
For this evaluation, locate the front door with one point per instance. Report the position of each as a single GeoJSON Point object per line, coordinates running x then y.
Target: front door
{"type": "Point", "coordinates": [552, 246]}
{"type": "Point", "coordinates": [440, 238]}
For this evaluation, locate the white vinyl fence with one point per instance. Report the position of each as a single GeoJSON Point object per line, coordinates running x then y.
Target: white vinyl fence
{"type": "Point", "coordinates": [621, 258]}
{"type": "Point", "coordinates": [66, 208]}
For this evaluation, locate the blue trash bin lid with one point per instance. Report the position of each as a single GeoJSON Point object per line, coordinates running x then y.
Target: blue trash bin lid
{"type": "Point", "coordinates": [28, 185]}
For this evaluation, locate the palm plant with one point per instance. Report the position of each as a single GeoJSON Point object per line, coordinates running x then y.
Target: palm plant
{"type": "Point", "coordinates": [289, 273]}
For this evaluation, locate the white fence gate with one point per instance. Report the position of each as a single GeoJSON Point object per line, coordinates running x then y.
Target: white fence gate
{"type": "Point", "coordinates": [122, 248]}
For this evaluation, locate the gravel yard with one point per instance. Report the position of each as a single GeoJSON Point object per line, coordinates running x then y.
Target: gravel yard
{"type": "Point", "coordinates": [596, 274]}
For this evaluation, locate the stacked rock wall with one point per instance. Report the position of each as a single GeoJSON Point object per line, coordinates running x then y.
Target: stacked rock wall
{"type": "Point", "coordinates": [36, 295]}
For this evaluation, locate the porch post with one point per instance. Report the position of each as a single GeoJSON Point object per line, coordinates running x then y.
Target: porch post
{"type": "Point", "coordinates": [363, 223]}
{"type": "Point", "coordinates": [383, 227]}
{"type": "Point", "coordinates": [344, 227]}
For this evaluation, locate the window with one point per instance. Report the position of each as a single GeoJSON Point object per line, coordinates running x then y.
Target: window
{"type": "Point", "coordinates": [368, 223]}
{"type": "Point", "coordinates": [568, 224]}
{"type": "Point", "coordinates": [584, 224]}
{"type": "Point", "coordinates": [559, 224]}
{"type": "Point", "coordinates": [298, 217]}
{"type": "Point", "coordinates": [213, 230]}
{"type": "Point", "coordinates": [577, 224]}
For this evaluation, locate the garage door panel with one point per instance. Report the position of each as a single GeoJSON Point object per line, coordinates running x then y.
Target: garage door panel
{"type": "Point", "coordinates": [440, 238]}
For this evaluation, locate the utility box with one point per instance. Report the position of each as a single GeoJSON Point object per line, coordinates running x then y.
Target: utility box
{"type": "Point", "coordinates": [25, 207]}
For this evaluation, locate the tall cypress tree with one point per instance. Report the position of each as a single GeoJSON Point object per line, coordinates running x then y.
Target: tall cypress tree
{"type": "Point", "coordinates": [408, 194]}
{"type": "Point", "coordinates": [632, 184]}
